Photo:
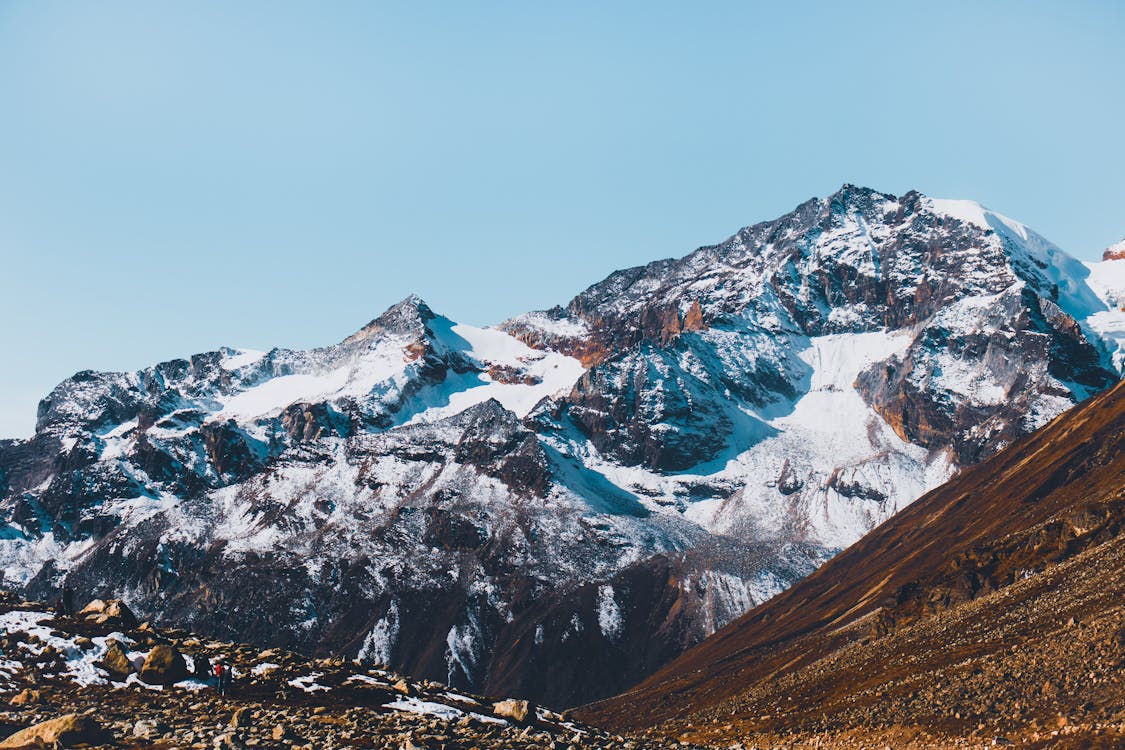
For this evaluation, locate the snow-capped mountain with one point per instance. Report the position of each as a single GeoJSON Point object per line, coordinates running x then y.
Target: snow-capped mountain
{"type": "Point", "coordinates": [559, 505]}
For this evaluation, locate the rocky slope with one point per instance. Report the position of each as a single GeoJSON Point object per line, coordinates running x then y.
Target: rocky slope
{"type": "Point", "coordinates": [73, 676]}
{"type": "Point", "coordinates": [557, 506]}
{"type": "Point", "coordinates": [993, 607]}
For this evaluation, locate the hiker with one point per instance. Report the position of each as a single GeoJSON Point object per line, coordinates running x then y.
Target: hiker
{"type": "Point", "coordinates": [65, 603]}
{"type": "Point", "coordinates": [221, 671]}
{"type": "Point", "coordinates": [228, 679]}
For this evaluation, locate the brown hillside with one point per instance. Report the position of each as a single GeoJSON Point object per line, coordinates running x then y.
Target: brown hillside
{"type": "Point", "coordinates": [994, 605]}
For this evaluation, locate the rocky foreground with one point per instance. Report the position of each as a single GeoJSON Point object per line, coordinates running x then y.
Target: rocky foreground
{"type": "Point", "coordinates": [100, 679]}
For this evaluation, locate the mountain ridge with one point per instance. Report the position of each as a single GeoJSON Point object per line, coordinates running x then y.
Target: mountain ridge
{"type": "Point", "coordinates": [681, 442]}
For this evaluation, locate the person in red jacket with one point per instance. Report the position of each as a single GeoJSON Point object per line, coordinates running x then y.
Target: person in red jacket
{"type": "Point", "coordinates": [221, 671]}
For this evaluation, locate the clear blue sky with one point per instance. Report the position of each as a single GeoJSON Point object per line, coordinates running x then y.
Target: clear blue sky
{"type": "Point", "coordinates": [179, 176]}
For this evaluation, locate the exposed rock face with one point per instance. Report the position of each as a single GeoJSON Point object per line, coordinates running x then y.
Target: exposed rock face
{"type": "Point", "coordinates": [596, 486]}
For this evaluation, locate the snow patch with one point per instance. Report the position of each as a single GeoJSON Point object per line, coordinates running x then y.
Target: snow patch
{"type": "Point", "coordinates": [379, 643]}
{"type": "Point", "coordinates": [609, 613]}
{"type": "Point", "coordinates": [439, 710]}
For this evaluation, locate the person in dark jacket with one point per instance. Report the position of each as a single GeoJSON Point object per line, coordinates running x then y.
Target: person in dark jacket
{"type": "Point", "coordinates": [228, 679]}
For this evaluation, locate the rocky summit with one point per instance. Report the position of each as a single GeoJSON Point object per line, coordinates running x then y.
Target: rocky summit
{"type": "Point", "coordinates": [555, 507]}
{"type": "Point", "coordinates": [61, 693]}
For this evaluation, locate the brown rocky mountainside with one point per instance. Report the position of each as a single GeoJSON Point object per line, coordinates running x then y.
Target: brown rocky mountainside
{"type": "Point", "coordinates": [991, 610]}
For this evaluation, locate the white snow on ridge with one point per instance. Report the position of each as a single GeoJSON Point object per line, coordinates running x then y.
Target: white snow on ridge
{"type": "Point", "coordinates": [241, 358]}
{"type": "Point", "coordinates": [520, 377]}
{"type": "Point", "coordinates": [1092, 293]}
{"type": "Point", "coordinates": [564, 327]}
{"type": "Point", "coordinates": [492, 347]}
{"type": "Point", "coordinates": [972, 212]}
{"type": "Point", "coordinates": [1058, 267]}
{"type": "Point", "coordinates": [354, 379]}
{"type": "Point", "coordinates": [1107, 279]}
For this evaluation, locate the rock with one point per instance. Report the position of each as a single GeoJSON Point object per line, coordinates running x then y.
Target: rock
{"type": "Point", "coordinates": [65, 731]}
{"type": "Point", "coordinates": [95, 607]}
{"type": "Point", "coordinates": [241, 718]}
{"type": "Point", "coordinates": [279, 733]}
{"type": "Point", "coordinates": [26, 697]}
{"type": "Point", "coordinates": [112, 612]}
{"type": "Point", "coordinates": [118, 612]}
{"type": "Point", "coordinates": [148, 729]}
{"type": "Point", "coordinates": [516, 710]}
{"type": "Point", "coordinates": [115, 662]}
{"type": "Point", "coordinates": [228, 742]}
{"type": "Point", "coordinates": [164, 665]}
{"type": "Point", "coordinates": [403, 687]}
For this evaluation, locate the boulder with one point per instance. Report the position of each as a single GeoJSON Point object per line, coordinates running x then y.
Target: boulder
{"type": "Point", "coordinates": [116, 662]}
{"type": "Point", "coordinates": [241, 718]}
{"type": "Point", "coordinates": [64, 731]}
{"type": "Point", "coordinates": [149, 729]}
{"type": "Point", "coordinates": [164, 665]}
{"type": "Point", "coordinates": [113, 612]}
{"type": "Point", "coordinates": [95, 607]}
{"type": "Point", "coordinates": [118, 612]}
{"type": "Point", "coordinates": [25, 697]}
{"type": "Point", "coordinates": [228, 742]}
{"type": "Point", "coordinates": [516, 710]}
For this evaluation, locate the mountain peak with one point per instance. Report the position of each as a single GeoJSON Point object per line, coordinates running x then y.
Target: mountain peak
{"type": "Point", "coordinates": [408, 316]}
{"type": "Point", "coordinates": [850, 193]}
